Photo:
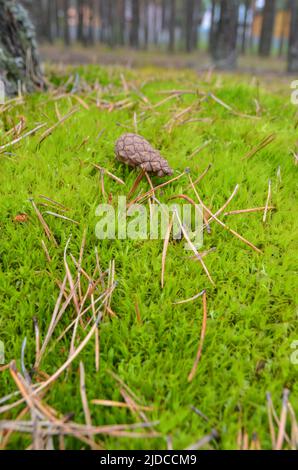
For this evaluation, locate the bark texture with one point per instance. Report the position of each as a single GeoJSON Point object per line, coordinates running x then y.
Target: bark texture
{"type": "Point", "coordinates": [19, 61]}
{"type": "Point", "coordinates": [224, 40]}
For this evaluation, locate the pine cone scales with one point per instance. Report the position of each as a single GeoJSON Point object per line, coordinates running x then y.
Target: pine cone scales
{"type": "Point", "coordinates": [136, 151]}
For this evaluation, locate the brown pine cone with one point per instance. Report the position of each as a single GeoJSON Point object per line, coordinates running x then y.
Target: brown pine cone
{"type": "Point", "coordinates": [135, 151]}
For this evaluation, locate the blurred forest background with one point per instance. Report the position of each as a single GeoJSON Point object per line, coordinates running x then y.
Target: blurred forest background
{"type": "Point", "coordinates": [220, 29]}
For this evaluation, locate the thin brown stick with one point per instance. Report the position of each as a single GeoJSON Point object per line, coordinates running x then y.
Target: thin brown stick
{"type": "Point", "coordinates": [270, 138]}
{"type": "Point", "coordinates": [191, 299]}
{"type": "Point", "coordinates": [152, 191]}
{"type": "Point", "coordinates": [199, 179]}
{"type": "Point", "coordinates": [16, 141]}
{"type": "Point", "coordinates": [84, 395]}
{"type": "Point", "coordinates": [138, 314]}
{"type": "Point", "coordinates": [249, 210]}
{"type": "Point", "coordinates": [111, 175]}
{"type": "Point", "coordinates": [49, 131]}
{"type": "Point", "coordinates": [44, 247]}
{"type": "Point", "coordinates": [270, 420]}
{"type": "Point", "coordinates": [198, 256]}
{"type": "Point", "coordinates": [199, 149]}
{"type": "Point", "coordinates": [203, 332]}
{"type": "Point", "coordinates": [60, 216]}
{"type": "Point", "coordinates": [44, 224]}
{"type": "Point", "coordinates": [119, 404]}
{"type": "Point", "coordinates": [283, 420]}
{"type": "Point", "coordinates": [136, 184]}
{"type": "Point", "coordinates": [224, 225]}
{"type": "Point", "coordinates": [217, 213]}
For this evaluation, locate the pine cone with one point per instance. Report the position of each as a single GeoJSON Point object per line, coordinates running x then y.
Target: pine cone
{"type": "Point", "coordinates": [135, 151]}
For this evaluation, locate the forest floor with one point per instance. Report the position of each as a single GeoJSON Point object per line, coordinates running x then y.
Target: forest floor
{"type": "Point", "coordinates": [199, 60]}
{"type": "Point", "coordinates": [128, 377]}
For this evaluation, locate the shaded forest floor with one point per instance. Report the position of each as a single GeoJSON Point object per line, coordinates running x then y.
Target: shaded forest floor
{"type": "Point", "coordinates": [198, 60]}
{"type": "Point", "coordinates": [230, 130]}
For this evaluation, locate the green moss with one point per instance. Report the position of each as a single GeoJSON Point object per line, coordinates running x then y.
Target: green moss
{"type": "Point", "coordinates": [252, 311]}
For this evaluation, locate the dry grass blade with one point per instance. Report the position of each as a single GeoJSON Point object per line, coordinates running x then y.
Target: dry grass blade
{"type": "Point", "coordinates": [153, 190]}
{"type": "Point", "coordinates": [226, 203]}
{"type": "Point", "coordinates": [249, 210]}
{"type": "Point", "coordinates": [197, 254]}
{"type": "Point", "coordinates": [270, 420]}
{"type": "Point", "coordinates": [222, 224]}
{"type": "Point", "coordinates": [49, 131]}
{"type": "Point", "coordinates": [59, 216]}
{"type": "Point", "coordinates": [270, 138]}
{"type": "Point", "coordinates": [44, 224]}
{"type": "Point", "coordinates": [119, 404]}
{"type": "Point", "coordinates": [70, 359]}
{"type": "Point", "coordinates": [165, 250]}
{"type": "Point", "coordinates": [44, 247]}
{"type": "Point", "coordinates": [205, 440]}
{"type": "Point", "coordinates": [16, 141]}
{"type": "Point", "coordinates": [123, 384]}
{"type": "Point", "coordinates": [203, 332]}
{"type": "Point", "coordinates": [202, 175]}
{"type": "Point", "coordinates": [52, 324]}
{"type": "Point", "coordinates": [219, 101]}
{"type": "Point", "coordinates": [111, 175]}
{"type": "Point", "coordinates": [199, 149]}
{"type": "Point", "coordinates": [138, 313]}
{"type": "Point", "coordinates": [37, 339]}
{"type": "Point", "coordinates": [55, 203]}
{"type": "Point", "coordinates": [283, 421]}
{"type": "Point", "coordinates": [84, 395]}
{"type": "Point", "coordinates": [190, 299]}
{"type": "Point", "coordinates": [267, 202]}
{"type": "Point", "coordinates": [136, 184]}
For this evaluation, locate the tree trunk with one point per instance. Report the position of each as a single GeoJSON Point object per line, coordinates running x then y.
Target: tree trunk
{"type": "Point", "coordinates": [50, 20]}
{"type": "Point", "coordinates": [293, 41]}
{"type": "Point", "coordinates": [134, 32]}
{"type": "Point", "coordinates": [189, 24]}
{"type": "Point", "coordinates": [19, 61]}
{"type": "Point", "coordinates": [267, 28]}
{"type": "Point", "coordinates": [122, 7]}
{"type": "Point", "coordinates": [66, 25]}
{"type": "Point", "coordinates": [146, 23]}
{"type": "Point", "coordinates": [172, 25]}
{"type": "Point", "coordinates": [244, 31]}
{"type": "Point", "coordinates": [224, 41]}
{"type": "Point", "coordinates": [212, 26]}
{"type": "Point", "coordinates": [80, 12]}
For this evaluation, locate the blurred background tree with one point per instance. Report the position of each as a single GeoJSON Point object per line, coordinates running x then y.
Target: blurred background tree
{"type": "Point", "coordinates": [19, 62]}
{"type": "Point", "coordinates": [223, 28]}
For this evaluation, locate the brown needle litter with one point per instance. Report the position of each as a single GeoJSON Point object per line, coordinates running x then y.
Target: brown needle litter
{"type": "Point", "coordinates": [18, 139]}
{"type": "Point", "coordinates": [270, 138]}
{"type": "Point", "coordinates": [108, 173]}
{"type": "Point", "coordinates": [194, 248]}
{"type": "Point", "coordinates": [222, 224]}
{"type": "Point", "coordinates": [44, 224]}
